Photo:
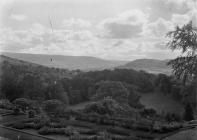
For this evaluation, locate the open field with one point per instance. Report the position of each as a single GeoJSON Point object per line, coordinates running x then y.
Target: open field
{"type": "Point", "coordinates": [161, 102]}
{"type": "Point", "coordinates": [190, 134]}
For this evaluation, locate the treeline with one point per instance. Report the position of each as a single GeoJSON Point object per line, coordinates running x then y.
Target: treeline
{"type": "Point", "coordinates": [44, 83]}
{"type": "Point", "coordinates": [178, 90]}
{"type": "Point", "coordinates": [31, 81]}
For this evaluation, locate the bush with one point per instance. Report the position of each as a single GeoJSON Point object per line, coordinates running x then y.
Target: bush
{"type": "Point", "coordinates": [148, 112]}
{"type": "Point", "coordinates": [19, 125]}
{"type": "Point", "coordinates": [115, 90]}
{"type": "Point", "coordinates": [106, 106]}
{"type": "Point", "coordinates": [173, 117]}
{"type": "Point", "coordinates": [41, 121]}
{"type": "Point", "coordinates": [31, 114]}
{"type": "Point", "coordinates": [61, 131]}
{"type": "Point", "coordinates": [89, 132]}
{"type": "Point", "coordinates": [53, 106]}
{"type": "Point", "coordinates": [163, 82]}
{"type": "Point", "coordinates": [47, 131]}
{"type": "Point", "coordinates": [16, 111]}
{"type": "Point", "coordinates": [22, 103]}
{"type": "Point", "coordinates": [118, 131]}
{"type": "Point", "coordinates": [4, 103]}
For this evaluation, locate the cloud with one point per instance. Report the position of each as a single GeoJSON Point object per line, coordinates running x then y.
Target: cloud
{"type": "Point", "coordinates": [18, 17]}
{"type": "Point", "coordinates": [74, 24]}
{"type": "Point", "coordinates": [179, 19]}
{"type": "Point", "coordinates": [157, 29]}
{"type": "Point", "coordinates": [125, 25]}
{"type": "Point", "coordinates": [129, 35]}
{"type": "Point", "coordinates": [79, 35]}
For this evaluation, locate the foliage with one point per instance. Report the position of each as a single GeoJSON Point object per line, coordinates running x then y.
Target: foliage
{"type": "Point", "coordinates": [19, 125]}
{"type": "Point", "coordinates": [55, 90]}
{"type": "Point", "coordinates": [134, 99]}
{"type": "Point", "coordinates": [82, 84]}
{"type": "Point", "coordinates": [31, 113]}
{"type": "Point", "coordinates": [53, 106]}
{"type": "Point", "coordinates": [4, 103]}
{"type": "Point", "coordinates": [28, 80]}
{"type": "Point", "coordinates": [145, 83]}
{"type": "Point", "coordinates": [22, 103]}
{"type": "Point", "coordinates": [185, 39]}
{"type": "Point", "coordinates": [113, 89]}
{"type": "Point", "coordinates": [188, 114]}
{"type": "Point", "coordinates": [63, 131]}
{"type": "Point", "coordinates": [148, 112]}
{"type": "Point", "coordinates": [41, 121]}
{"type": "Point", "coordinates": [163, 82]}
{"type": "Point", "coordinates": [124, 75]}
{"type": "Point", "coordinates": [173, 117]}
{"type": "Point", "coordinates": [106, 106]}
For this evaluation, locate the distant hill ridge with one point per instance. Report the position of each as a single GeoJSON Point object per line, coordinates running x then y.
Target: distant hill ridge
{"type": "Point", "coordinates": [33, 68]}
{"type": "Point", "coordinates": [87, 63]}
{"type": "Point", "coordinates": [149, 65]}
{"type": "Point", "coordinates": [68, 62]}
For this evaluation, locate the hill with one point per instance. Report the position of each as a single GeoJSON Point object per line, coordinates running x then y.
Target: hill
{"type": "Point", "coordinates": [69, 62]}
{"type": "Point", "coordinates": [149, 65]}
{"type": "Point", "coordinates": [28, 67]}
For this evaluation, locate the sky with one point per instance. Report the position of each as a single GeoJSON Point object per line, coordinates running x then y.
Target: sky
{"type": "Point", "coordinates": [108, 29]}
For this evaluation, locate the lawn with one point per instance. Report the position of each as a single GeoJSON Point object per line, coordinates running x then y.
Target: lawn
{"type": "Point", "coordinates": [161, 102]}
{"type": "Point", "coordinates": [184, 135]}
{"type": "Point", "coordinates": [79, 106]}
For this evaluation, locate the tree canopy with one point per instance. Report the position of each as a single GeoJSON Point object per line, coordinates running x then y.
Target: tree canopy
{"type": "Point", "coordinates": [185, 39]}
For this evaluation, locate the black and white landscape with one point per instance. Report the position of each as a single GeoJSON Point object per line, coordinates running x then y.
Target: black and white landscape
{"type": "Point", "coordinates": [98, 70]}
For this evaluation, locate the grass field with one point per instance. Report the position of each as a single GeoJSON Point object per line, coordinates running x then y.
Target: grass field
{"type": "Point", "coordinates": [161, 102]}
{"type": "Point", "coordinates": [184, 135]}
{"type": "Point", "coordinates": [79, 106]}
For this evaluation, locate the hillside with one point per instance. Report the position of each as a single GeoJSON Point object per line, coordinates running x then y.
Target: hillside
{"type": "Point", "coordinates": [68, 62]}
{"type": "Point", "coordinates": [28, 67]}
{"type": "Point", "coordinates": [149, 65]}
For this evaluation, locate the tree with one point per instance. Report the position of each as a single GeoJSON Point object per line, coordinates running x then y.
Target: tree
{"type": "Point", "coordinates": [188, 115]}
{"type": "Point", "coordinates": [115, 90]}
{"type": "Point", "coordinates": [55, 90]}
{"type": "Point", "coordinates": [22, 103]}
{"type": "Point", "coordinates": [106, 106]}
{"type": "Point", "coordinates": [184, 39]}
{"type": "Point", "coordinates": [185, 66]}
{"type": "Point", "coordinates": [52, 106]}
{"type": "Point", "coordinates": [163, 83]}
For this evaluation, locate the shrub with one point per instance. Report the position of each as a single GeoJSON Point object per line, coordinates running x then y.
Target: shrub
{"type": "Point", "coordinates": [115, 90]}
{"type": "Point", "coordinates": [46, 131]}
{"type": "Point", "coordinates": [88, 132]}
{"type": "Point", "coordinates": [16, 111]}
{"type": "Point", "coordinates": [19, 125]}
{"type": "Point", "coordinates": [22, 103]}
{"type": "Point", "coordinates": [41, 121]}
{"type": "Point", "coordinates": [69, 131]}
{"type": "Point", "coordinates": [163, 82]}
{"type": "Point", "coordinates": [118, 131]}
{"type": "Point", "coordinates": [53, 106]}
{"type": "Point", "coordinates": [148, 112]}
{"type": "Point", "coordinates": [4, 103]}
{"type": "Point", "coordinates": [106, 106]}
{"type": "Point", "coordinates": [171, 117]}
{"type": "Point", "coordinates": [61, 131]}
{"type": "Point", "coordinates": [31, 114]}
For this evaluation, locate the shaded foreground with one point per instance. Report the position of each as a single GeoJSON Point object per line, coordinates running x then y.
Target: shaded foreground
{"type": "Point", "coordinates": [74, 125]}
